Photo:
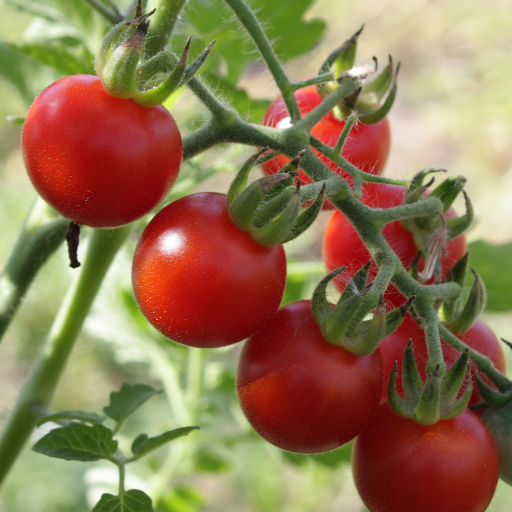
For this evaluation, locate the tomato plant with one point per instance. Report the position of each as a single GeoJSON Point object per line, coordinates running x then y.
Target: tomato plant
{"type": "Point", "coordinates": [400, 466]}
{"type": "Point", "coordinates": [300, 392]}
{"type": "Point", "coordinates": [203, 280]}
{"type": "Point", "coordinates": [99, 160]}
{"type": "Point", "coordinates": [200, 280]}
{"type": "Point", "coordinates": [366, 148]}
{"type": "Point", "coordinates": [478, 337]}
{"type": "Point", "coordinates": [342, 246]}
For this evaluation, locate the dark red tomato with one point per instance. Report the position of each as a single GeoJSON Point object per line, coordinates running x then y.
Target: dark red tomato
{"type": "Point", "coordinates": [479, 337]}
{"type": "Point", "coordinates": [200, 280]}
{"type": "Point", "coordinates": [367, 146]}
{"type": "Point", "coordinates": [300, 392]}
{"type": "Point", "coordinates": [343, 247]}
{"type": "Point", "coordinates": [98, 160]}
{"type": "Point", "coordinates": [401, 466]}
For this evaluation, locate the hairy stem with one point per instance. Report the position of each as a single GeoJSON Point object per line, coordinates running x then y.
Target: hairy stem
{"type": "Point", "coordinates": [162, 24]}
{"type": "Point", "coordinates": [251, 24]}
{"type": "Point", "coordinates": [482, 362]}
{"type": "Point", "coordinates": [40, 385]}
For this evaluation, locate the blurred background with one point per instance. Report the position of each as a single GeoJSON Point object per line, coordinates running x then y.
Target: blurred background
{"type": "Point", "coordinates": [453, 110]}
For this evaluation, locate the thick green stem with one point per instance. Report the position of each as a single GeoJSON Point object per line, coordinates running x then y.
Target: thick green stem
{"type": "Point", "coordinates": [122, 470]}
{"type": "Point", "coordinates": [43, 232]}
{"type": "Point", "coordinates": [40, 385]}
{"type": "Point", "coordinates": [162, 24]}
{"type": "Point", "coordinates": [251, 24]}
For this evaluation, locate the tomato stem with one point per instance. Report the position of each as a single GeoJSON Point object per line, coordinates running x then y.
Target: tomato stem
{"type": "Point", "coordinates": [40, 385]}
{"type": "Point", "coordinates": [253, 27]}
{"type": "Point", "coordinates": [483, 363]}
{"type": "Point", "coordinates": [162, 24]}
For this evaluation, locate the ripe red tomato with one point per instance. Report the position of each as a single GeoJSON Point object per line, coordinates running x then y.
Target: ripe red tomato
{"type": "Point", "coordinates": [479, 337]}
{"type": "Point", "coordinates": [401, 466]}
{"type": "Point", "coordinates": [342, 245]}
{"type": "Point", "coordinates": [200, 280]}
{"type": "Point", "coordinates": [300, 392]}
{"type": "Point", "coordinates": [367, 146]}
{"type": "Point", "coordinates": [98, 160]}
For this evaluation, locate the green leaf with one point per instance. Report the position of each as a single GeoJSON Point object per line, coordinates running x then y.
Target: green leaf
{"type": "Point", "coordinates": [84, 417]}
{"type": "Point", "coordinates": [128, 399]}
{"type": "Point", "coordinates": [67, 59]}
{"type": "Point", "coordinates": [492, 262]}
{"type": "Point", "coordinates": [28, 75]}
{"type": "Point", "coordinates": [144, 444]}
{"type": "Point", "coordinates": [77, 441]}
{"type": "Point", "coordinates": [133, 501]}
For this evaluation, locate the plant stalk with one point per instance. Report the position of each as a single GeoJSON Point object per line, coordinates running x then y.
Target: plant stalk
{"type": "Point", "coordinates": [40, 384]}
{"type": "Point", "coordinates": [253, 27]}
{"type": "Point", "coordinates": [162, 24]}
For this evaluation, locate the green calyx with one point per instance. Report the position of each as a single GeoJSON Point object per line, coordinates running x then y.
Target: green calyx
{"type": "Point", "coordinates": [374, 99]}
{"type": "Point", "coordinates": [460, 313]}
{"type": "Point", "coordinates": [447, 191]}
{"type": "Point", "coordinates": [269, 208]}
{"type": "Point", "coordinates": [359, 321]}
{"type": "Point", "coordinates": [120, 63]}
{"type": "Point", "coordinates": [432, 231]}
{"type": "Point", "coordinates": [436, 398]}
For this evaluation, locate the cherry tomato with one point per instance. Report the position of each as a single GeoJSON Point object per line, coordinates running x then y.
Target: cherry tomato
{"type": "Point", "coordinates": [367, 146]}
{"type": "Point", "coordinates": [401, 466]}
{"type": "Point", "coordinates": [200, 280]}
{"type": "Point", "coordinates": [479, 337]}
{"type": "Point", "coordinates": [300, 392]}
{"type": "Point", "coordinates": [342, 245]}
{"type": "Point", "coordinates": [98, 160]}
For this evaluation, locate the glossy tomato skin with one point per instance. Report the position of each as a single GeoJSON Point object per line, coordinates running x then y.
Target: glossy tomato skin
{"type": "Point", "coordinates": [300, 392]}
{"type": "Point", "coordinates": [98, 160]}
{"type": "Point", "coordinates": [479, 337]}
{"type": "Point", "coordinates": [342, 245]}
{"type": "Point", "coordinates": [200, 280]}
{"type": "Point", "coordinates": [401, 466]}
{"type": "Point", "coordinates": [367, 146]}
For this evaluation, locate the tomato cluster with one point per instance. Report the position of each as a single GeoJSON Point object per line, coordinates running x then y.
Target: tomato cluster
{"type": "Point", "coordinates": [204, 282]}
